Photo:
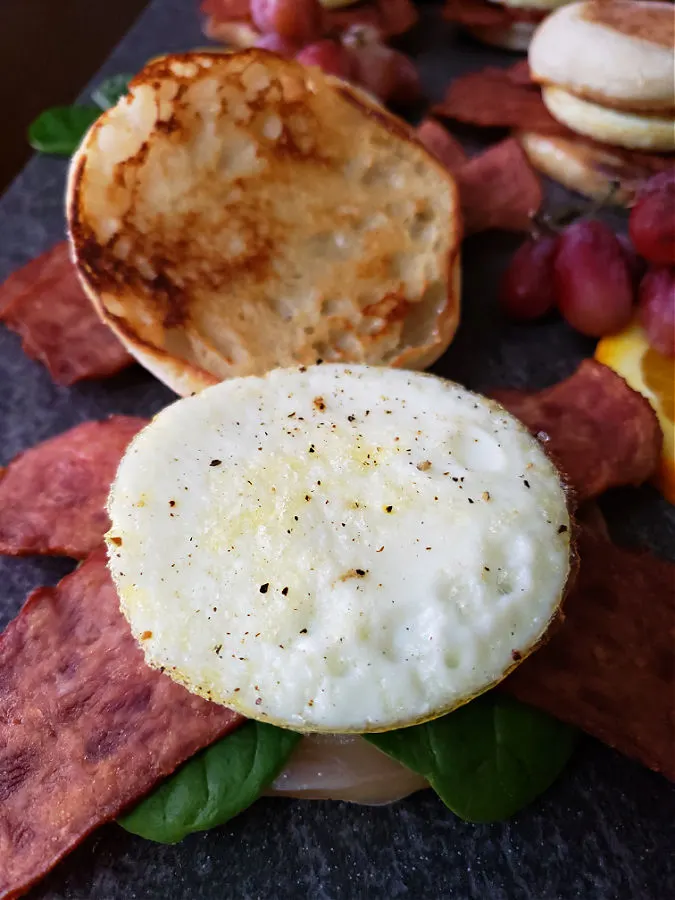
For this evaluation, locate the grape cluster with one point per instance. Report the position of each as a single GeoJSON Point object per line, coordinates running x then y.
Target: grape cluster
{"type": "Point", "coordinates": [594, 277]}
{"type": "Point", "coordinates": [296, 29]}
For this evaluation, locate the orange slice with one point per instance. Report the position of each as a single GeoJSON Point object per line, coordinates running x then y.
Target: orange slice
{"type": "Point", "coordinates": [653, 375]}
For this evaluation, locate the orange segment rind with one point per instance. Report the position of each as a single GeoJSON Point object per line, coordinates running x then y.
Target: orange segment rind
{"type": "Point", "coordinates": [653, 375]}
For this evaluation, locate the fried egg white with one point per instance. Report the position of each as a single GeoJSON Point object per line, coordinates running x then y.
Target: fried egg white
{"type": "Point", "coordinates": [338, 549]}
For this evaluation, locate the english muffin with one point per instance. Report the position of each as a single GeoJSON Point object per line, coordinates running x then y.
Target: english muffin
{"type": "Point", "coordinates": [239, 212]}
{"type": "Point", "coordinates": [607, 71]}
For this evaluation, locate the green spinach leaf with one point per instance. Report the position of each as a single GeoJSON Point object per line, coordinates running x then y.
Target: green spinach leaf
{"type": "Point", "coordinates": [59, 130]}
{"type": "Point", "coordinates": [213, 786]}
{"type": "Point", "coordinates": [486, 760]}
{"type": "Point", "coordinates": [108, 92]}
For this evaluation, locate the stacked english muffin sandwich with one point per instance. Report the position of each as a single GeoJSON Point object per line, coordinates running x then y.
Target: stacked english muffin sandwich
{"type": "Point", "coordinates": [607, 72]}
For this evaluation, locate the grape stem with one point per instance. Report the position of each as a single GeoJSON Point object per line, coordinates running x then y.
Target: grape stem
{"type": "Point", "coordinates": [546, 225]}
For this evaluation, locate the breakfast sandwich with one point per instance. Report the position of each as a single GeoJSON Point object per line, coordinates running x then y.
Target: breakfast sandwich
{"type": "Point", "coordinates": [593, 109]}
{"type": "Point", "coordinates": [340, 550]}
{"type": "Point", "coordinates": [225, 221]}
{"type": "Point", "coordinates": [607, 76]}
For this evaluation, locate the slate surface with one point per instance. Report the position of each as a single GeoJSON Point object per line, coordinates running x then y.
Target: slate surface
{"type": "Point", "coordinates": [605, 831]}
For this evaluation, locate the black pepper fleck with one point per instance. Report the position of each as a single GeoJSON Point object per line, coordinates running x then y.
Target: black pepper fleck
{"type": "Point", "coordinates": [264, 588]}
{"type": "Point", "coordinates": [216, 462]}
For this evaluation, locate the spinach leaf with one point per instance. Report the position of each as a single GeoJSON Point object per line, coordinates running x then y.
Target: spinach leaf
{"type": "Point", "coordinates": [486, 760]}
{"type": "Point", "coordinates": [109, 91]}
{"type": "Point", "coordinates": [213, 786]}
{"type": "Point", "coordinates": [60, 129]}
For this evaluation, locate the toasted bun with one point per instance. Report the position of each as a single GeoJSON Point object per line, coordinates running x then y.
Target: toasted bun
{"type": "Point", "coordinates": [593, 171]}
{"type": "Point", "coordinates": [618, 53]}
{"type": "Point", "coordinates": [239, 212]}
{"type": "Point", "coordinates": [516, 36]}
{"type": "Point", "coordinates": [611, 126]}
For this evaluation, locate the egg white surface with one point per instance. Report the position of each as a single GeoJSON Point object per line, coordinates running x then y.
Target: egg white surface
{"type": "Point", "coordinates": [340, 549]}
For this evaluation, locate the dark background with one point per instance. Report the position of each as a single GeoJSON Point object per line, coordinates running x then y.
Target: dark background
{"type": "Point", "coordinates": [48, 50]}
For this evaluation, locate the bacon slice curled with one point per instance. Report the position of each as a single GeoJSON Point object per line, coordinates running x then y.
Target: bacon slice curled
{"type": "Point", "coordinates": [508, 98]}
{"type": "Point", "coordinates": [498, 188]}
{"type": "Point", "coordinates": [600, 432]}
{"type": "Point", "coordinates": [53, 496]}
{"type": "Point", "coordinates": [609, 668]}
{"type": "Point", "coordinates": [86, 727]}
{"type": "Point", "coordinates": [442, 144]}
{"type": "Point", "coordinates": [498, 98]}
{"type": "Point", "coordinates": [45, 304]}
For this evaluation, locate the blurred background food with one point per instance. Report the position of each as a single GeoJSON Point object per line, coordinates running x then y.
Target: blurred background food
{"type": "Point", "coordinates": [47, 75]}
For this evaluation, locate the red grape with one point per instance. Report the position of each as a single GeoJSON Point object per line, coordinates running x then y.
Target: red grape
{"type": "Point", "coordinates": [384, 72]}
{"type": "Point", "coordinates": [375, 69]}
{"type": "Point", "coordinates": [527, 285]}
{"type": "Point", "coordinates": [407, 85]}
{"type": "Point", "coordinates": [657, 309]}
{"type": "Point", "coordinates": [277, 44]}
{"type": "Point", "coordinates": [652, 220]}
{"type": "Point", "coordinates": [296, 20]}
{"type": "Point", "coordinates": [591, 279]}
{"type": "Point", "coordinates": [636, 265]}
{"type": "Point", "coordinates": [331, 57]}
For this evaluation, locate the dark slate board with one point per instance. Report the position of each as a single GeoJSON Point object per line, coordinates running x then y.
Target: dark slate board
{"type": "Point", "coordinates": [605, 831]}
